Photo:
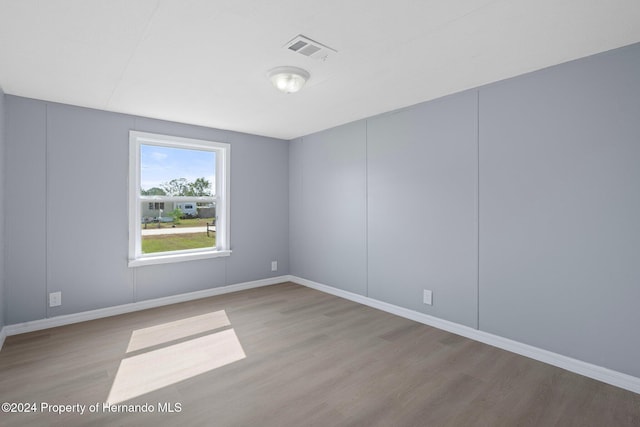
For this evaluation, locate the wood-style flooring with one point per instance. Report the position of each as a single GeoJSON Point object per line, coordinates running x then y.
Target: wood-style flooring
{"type": "Point", "coordinates": [288, 356]}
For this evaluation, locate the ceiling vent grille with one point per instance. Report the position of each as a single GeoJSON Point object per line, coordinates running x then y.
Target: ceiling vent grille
{"type": "Point", "coordinates": [309, 48]}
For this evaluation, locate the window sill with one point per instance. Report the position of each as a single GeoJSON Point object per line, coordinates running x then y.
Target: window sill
{"type": "Point", "coordinates": [166, 259]}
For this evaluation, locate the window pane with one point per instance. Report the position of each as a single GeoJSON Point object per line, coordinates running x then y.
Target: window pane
{"type": "Point", "coordinates": [169, 171]}
{"type": "Point", "coordinates": [176, 184]}
{"type": "Point", "coordinates": [168, 229]}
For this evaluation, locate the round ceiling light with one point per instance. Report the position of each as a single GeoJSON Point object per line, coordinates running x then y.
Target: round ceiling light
{"type": "Point", "coordinates": [288, 79]}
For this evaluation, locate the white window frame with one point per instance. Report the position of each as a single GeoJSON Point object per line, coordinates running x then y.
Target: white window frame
{"type": "Point", "coordinates": [223, 210]}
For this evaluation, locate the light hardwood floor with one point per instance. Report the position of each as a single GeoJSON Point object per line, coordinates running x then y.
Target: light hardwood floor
{"type": "Point", "coordinates": [288, 356]}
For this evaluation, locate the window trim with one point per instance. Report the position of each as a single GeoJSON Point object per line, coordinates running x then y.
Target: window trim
{"type": "Point", "coordinates": [223, 208]}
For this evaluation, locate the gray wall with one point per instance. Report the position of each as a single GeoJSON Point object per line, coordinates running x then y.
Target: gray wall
{"type": "Point", "coordinates": [66, 163]}
{"type": "Point", "coordinates": [25, 210]}
{"type": "Point", "coordinates": [560, 209]}
{"type": "Point", "coordinates": [422, 179]}
{"type": "Point", "coordinates": [386, 207]}
{"type": "Point", "coordinates": [2, 167]}
{"type": "Point", "coordinates": [328, 203]}
{"type": "Point", "coordinates": [516, 203]}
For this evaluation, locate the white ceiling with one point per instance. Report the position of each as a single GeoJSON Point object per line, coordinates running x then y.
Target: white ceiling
{"type": "Point", "coordinates": [205, 61]}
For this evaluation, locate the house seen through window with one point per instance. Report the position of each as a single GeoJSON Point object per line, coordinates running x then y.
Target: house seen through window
{"type": "Point", "coordinates": [178, 199]}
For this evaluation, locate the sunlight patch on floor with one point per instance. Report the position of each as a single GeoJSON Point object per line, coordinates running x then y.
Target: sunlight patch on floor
{"type": "Point", "coordinates": [152, 370]}
{"type": "Point", "coordinates": [171, 331]}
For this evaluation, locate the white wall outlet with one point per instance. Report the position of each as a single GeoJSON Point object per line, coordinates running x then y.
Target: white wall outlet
{"type": "Point", "coordinates": [427, 297]}
{"type": "Point", "coordinates": [274, 265]}
{"type": "Point", "coordinates": [55, 299]}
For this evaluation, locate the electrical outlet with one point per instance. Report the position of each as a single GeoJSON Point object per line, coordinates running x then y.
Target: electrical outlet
{"type": "Point", "coordinates": [274, 265]}
{"type": "Point", "coordinates": [55, 299]}
{"type": "Point", "coordinates": [427, 297]}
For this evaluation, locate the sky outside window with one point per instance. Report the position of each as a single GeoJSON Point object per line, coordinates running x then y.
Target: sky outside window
{"type": "Point", "coordinates": [159, 165]}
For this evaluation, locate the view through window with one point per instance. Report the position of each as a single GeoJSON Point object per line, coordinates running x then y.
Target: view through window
{"type": "Point", "coordinates": [178, 195]}
{"type": "Point", "coordinates": [172, 224]}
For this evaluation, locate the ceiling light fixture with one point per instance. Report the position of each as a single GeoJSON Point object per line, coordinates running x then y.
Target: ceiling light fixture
{"type": "Point", "coordinates": [288, 79]}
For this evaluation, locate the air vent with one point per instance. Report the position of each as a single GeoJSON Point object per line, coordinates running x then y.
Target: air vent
{"type": "Point", "coordinates": [309, 48]}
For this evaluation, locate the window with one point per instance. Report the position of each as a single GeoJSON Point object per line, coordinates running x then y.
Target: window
{"type": "Point", "coordinates": [178, 195]}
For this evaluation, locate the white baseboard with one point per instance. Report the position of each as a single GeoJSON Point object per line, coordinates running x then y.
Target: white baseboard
{"type": "Point", "coordinates": [52, 322]}
{"type": "Point", "coordinates": [596, 372]}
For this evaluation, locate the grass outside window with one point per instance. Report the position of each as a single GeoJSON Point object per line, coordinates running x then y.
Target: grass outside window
{"type": "Point", "coordinates": [177, 242]}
